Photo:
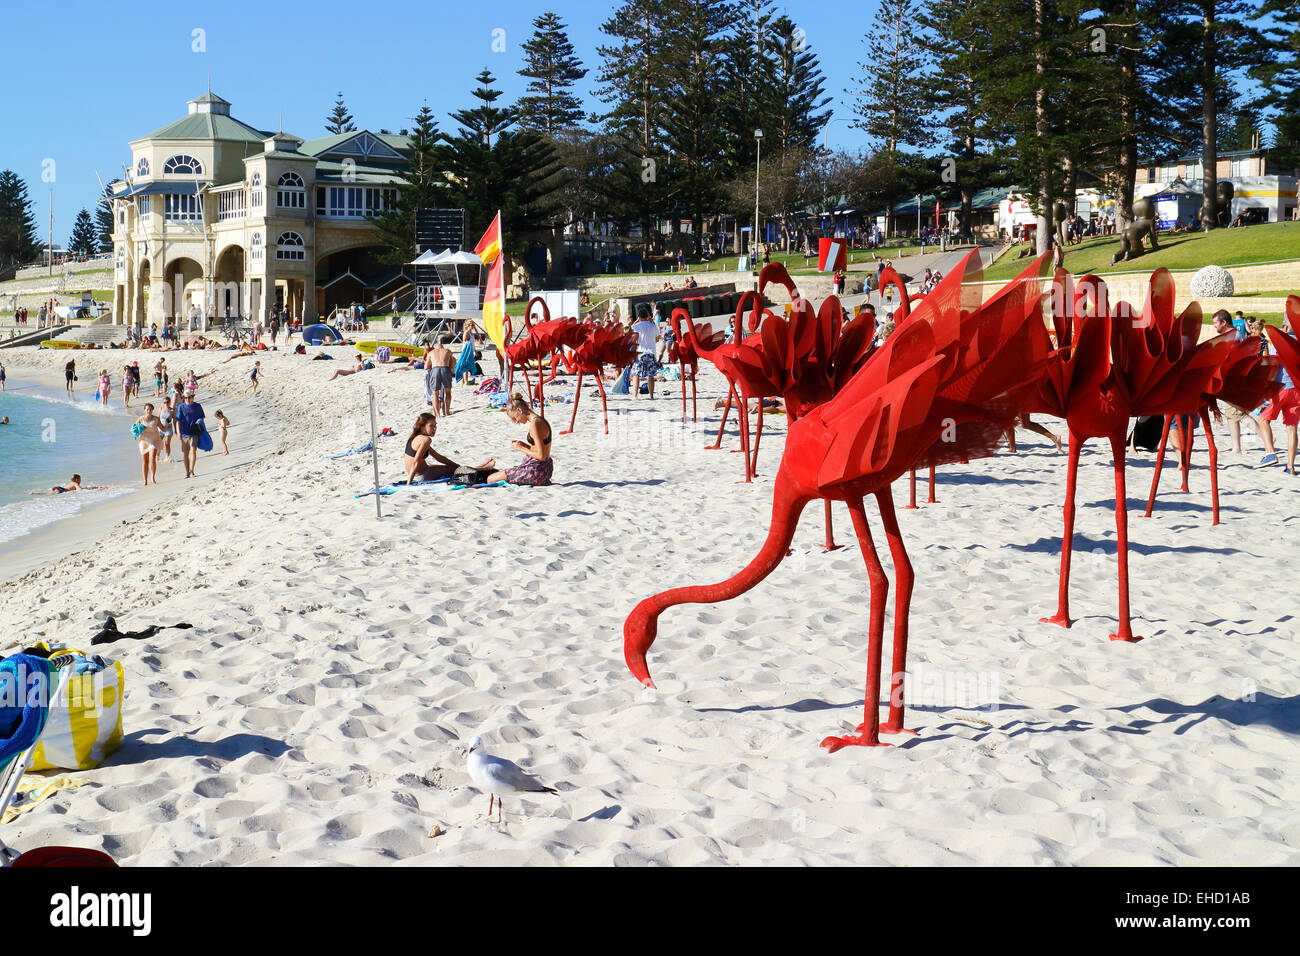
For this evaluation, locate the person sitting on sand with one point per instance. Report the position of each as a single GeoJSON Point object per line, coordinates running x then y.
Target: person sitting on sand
{"type": "Point", "coordinates": [538, 465]}
{"type": "Point", "coordinates": [347, 371]}
{"type": "Point", "coordinates": [419, 449]}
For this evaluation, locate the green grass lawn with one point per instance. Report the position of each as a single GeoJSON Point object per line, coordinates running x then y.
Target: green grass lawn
{"type": "Point", "coordinates": [793, 261]}
{"type": "Point", "coordinates": [1186, 250]}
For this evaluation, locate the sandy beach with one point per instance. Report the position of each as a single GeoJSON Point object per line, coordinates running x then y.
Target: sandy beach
{"type": "Point", "coordinates": [317, 712]}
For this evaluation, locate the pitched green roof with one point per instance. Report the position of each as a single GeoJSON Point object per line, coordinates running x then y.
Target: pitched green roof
{"type": "Point", "coordinates": [209, 126]}
{"type": "Point", "coordinates": [373, 175]}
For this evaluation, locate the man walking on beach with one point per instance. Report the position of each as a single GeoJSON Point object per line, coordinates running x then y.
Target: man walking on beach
{"type": "Point", "coordinates": [189, 415]}
{"type": "Point", "coordinates": [439, 374]}
{"type": "Point", "coordinates": [645, 365]}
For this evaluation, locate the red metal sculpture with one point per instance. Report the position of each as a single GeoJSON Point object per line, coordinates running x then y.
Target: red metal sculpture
{"type": "Point", "coordinates": [1244, 378]}
{"type": "Point", "coordinates": [602, 345]}
{"type": "Point", "coordinates": [1114, 366]}
{"type": "Point", "coordinates": [683, 353]}
{"type": "Point", "coordinates": [541, 342]}
{"type": "Point", "coordinates": [937, 390]}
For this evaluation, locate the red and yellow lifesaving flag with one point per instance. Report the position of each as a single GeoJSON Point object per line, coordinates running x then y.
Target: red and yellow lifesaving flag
{"type": "Point", "coordinates": [489, 247]}
{"type": "Point", "coordinates": [494, 304]}
{"type": "Point", "coordinates": [494, 296]}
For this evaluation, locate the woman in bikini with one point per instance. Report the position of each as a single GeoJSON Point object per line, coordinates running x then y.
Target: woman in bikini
{"type": "Point", "coordinates": [105, 386]}
{"type": "Point", "coordinates": [148, 437]}
{"type": "Point", "coordinates": [419, 449]}
{"type": "Point", "coordinates": [166, 427]}
{"type": "Point", "coordinates": [537, 466]}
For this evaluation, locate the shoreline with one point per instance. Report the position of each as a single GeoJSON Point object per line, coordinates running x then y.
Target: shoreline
{"type": "Point", "coordinates": [92, 526]}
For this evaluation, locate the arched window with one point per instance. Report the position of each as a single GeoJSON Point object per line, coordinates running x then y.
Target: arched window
{"type": "Point", "coordinates": [256, 247]}
{"type": "Point", "coordinates": [183, 165]}
{"type": "Point", "coordinates": [290, 192]}
{"type": "Point", "coordinates": [255, 199]}
{"type": "Point", "coordinates": [142, 167]}
{"type": "Point", "coordinates": [290, 247]}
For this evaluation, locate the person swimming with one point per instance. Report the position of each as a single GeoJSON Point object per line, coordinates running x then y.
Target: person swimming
{"type": "Point", "coordinates": [74, 484]}
{"type": "Point", "coordinates": [537, 466]}
{"type": "Point", "coordinates": [419, 449]}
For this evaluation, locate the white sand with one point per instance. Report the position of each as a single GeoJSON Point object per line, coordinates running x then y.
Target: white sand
{"type": "Point", "coordinates": [338, 664]}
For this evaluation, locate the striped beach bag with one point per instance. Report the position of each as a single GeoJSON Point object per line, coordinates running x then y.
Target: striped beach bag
{"type": "Point", "coordinates": [85, 725]}
{"type": "Point", "coordinates": [383, 353]}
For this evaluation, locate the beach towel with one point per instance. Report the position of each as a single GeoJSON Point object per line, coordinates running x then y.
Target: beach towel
{"type": "Point", "coordinates": [203, 440]}
{"type": "Point", "coordinates": [403, 486]}
{"type": "Point", "coordinates": [485, 484]}
{"type": "Point", "coordinates": [623, 386]}
{"type": "Point", "coordinates": [489, 386]}
{"type": "Point", "coordinates": [24, 683]}
{"type": "Point", "coordinates": [466, 362]}
{"type": "Point", "coordinates": [42, 789]}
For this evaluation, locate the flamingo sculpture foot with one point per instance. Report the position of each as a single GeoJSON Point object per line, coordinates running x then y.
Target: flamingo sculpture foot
{"type": "Point", "coordinates": [1061, 619]}
{"type": "Point", "coordinates": [1126, 635]}
{"type": "Point", "coordinates": [892, 728]}
{"type": "Point", "coordinates": [833, 744]}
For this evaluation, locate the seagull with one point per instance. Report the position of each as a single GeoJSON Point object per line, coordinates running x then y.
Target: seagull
{"type": "Point", "coordinates": [496, 776]}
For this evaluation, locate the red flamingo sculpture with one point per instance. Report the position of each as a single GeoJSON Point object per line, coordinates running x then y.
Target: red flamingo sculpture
{"type": "Point", "coordinates": [603, 345]}
{"type": "Point", "coordinates": [936, 390]}
{"type": "Point", "coordinates": [683, 353]}
{"type": "Point", "coordinates": [541, 341]}
{"type": "Point", "coordinates": [1113, 367]}
{"type": "Point", "coordinates": [741, 363]}
{"type": "Point", "coordinates": [1244, 378]}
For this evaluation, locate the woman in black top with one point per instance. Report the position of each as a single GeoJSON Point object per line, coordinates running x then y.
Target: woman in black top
{"type": "Point", "coordinates": [419, 449]}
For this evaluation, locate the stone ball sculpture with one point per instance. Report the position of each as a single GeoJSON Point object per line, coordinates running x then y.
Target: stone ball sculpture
{"type": "Point", "coordinates": [1212, 282]}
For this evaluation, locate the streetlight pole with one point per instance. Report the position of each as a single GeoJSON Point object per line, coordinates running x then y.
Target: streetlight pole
{"type": "Point", "coordinates": [918, 218]}
{"type": "Point", "coordinates": [758, 158]}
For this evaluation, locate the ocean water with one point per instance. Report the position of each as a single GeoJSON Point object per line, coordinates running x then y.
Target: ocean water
{"type": "Point", "coordinates": [47, 440]}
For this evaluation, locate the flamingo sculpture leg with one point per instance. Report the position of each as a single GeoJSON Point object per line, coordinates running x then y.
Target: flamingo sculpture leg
{"type": "Point", "coordinates": [911, 491]}
{"type": "Point", "coordinates": [1185, 437]}
{"type": "Point", "coordinates": [726, 410]}
{"type": "Point", "coordinates": [577, 394]}
{"type": "Point", "coordinates": [1062, 615]}
{"type": "Point", "coordinates": [603, 405]}
{"type": "Point", "coordinates": [1214, 464]}
{"type": "Point", "coordinates": [868, 732]}
{"type": "Point", "coordinates": [1160, 466]}
{"type": "Point", "coordinates": [932, 499]}
{"type": "Point", "coordinates": [758, 436]}
{"type": "Point", "coordinates": [1119, 448]}
{"type": "Point", "coordinates": [903, 582]}
{"type": "Point", "coordinates": [830, 544]}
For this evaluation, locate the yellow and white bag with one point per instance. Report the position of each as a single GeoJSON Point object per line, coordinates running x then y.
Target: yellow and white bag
{"type": "Point", "coordinates": [85, 725]}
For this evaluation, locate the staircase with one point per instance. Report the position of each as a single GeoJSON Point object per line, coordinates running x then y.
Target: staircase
{"type": "Point", "coordinates": [100, 333]}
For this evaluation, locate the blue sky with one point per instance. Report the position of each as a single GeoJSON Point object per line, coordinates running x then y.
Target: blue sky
{"type": "Point", "coordinates": [118, 72]}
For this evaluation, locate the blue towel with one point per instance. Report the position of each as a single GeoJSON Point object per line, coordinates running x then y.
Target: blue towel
{"type": "Point", "coordinates": [368, 446]}
{"type": "Point", "coordinates": [24, 703]}
{"type": "Point", "coordinates": [624, 385]}
{"type": "Point", "coordinates": [403, 486]}
{"type": "Point", "coordinates": [466, 362]}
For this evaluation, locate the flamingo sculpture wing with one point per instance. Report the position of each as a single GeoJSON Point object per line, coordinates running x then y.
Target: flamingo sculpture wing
{"type": "Point", "coordinates": [914, 399]}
